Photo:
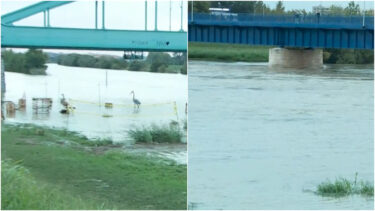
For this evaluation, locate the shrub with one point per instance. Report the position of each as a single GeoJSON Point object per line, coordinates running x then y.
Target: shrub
{"type": "Point", "coordinates": [343, 187]}
{"type": "Point", "coordinates": [156, 134]}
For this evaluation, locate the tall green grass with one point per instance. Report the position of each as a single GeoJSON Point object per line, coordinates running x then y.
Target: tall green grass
{"type": "Point", "coordinates": [156, 134]}
{"type": "Point", "coordinates": [227, 52]}
{"type": "Point", "coordinates": [343, 187]}
{"type": "Point", "coordinates": [66, 176]}
{"type": "Point", "coordinates": [21, 191]}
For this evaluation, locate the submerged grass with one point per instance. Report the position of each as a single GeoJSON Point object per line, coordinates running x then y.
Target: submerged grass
{"type": "Point", "coordinates": [156, 134]}
{"type": "Point", "coordinates": [110, 180]}
{"type": "Point", "coordinates": [227, 52]}
{"type": "Point", "coordinates": [54, 135]}
{"type": "Point", "coordinates": [343, 187]}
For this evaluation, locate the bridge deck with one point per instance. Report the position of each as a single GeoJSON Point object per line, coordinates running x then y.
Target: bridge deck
{"type": "Point", "coordinates": [290, 31]}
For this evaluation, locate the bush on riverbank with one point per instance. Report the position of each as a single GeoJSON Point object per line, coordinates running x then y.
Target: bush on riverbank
{"type": "Point", "coordinates": [343, 187]}
{"type": "Point", "coordinates": [348, 56]}
{"type": "Point", "coordinates": [32, 62]}
{"type": "Point", "coordinates": [20, 190]}
{"type": "Point", "coordinates": [156, 134]}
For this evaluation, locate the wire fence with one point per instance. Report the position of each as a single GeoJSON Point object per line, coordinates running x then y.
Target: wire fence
{"type": "Point", "coordinates": [245, 18]}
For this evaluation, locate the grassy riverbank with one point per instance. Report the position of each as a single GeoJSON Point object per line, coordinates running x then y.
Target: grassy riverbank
{"type": "Point", "coordinates": [72, 172]}
{"type": "Point", "coordinates": [227, 52]}
{"type": "Point", "coordinates": [247, 53]}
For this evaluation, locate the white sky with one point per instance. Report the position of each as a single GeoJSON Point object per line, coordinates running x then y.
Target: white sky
{"type": "Point", "coordinates": [307, 5]}
{"type": "Point", "coordinates": [123, 14]}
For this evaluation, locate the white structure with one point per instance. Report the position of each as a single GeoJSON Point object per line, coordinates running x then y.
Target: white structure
{"type": "Point", "coordinates": [295, 58]}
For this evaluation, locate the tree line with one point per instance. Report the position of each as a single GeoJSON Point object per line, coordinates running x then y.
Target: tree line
{"type": "Point", "coordinates": [154, 62]}
{"type": "Point", "coordinates": [32, 62]}
{"type": "Point", "coordinates": [258, 7]}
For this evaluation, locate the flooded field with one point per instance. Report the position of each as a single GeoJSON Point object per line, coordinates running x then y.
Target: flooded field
{"type": "Point", "coordinates": [163, 98]}
{"type": "Point", "coordinates": [264, 139]}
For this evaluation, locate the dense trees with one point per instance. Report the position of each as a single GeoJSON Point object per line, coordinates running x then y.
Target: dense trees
{"type": "Point", "coordinates": [155, 62]}
{"type": "Point", "coordinates": [105, 62]}
{"type": "Point", "coordinates": [31, 62]}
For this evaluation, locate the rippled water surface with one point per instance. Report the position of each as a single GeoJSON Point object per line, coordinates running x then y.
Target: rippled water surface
{"type": "Point", "coordinates": [86, 89]}
{"type": "Point", "coordinates": [264, 139]}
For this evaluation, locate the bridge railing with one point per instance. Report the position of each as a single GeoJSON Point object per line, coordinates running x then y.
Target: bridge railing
{"type": "Point", "coordinates": [318, 20]}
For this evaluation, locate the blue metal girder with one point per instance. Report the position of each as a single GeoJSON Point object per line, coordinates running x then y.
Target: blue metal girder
{"type": "Point", "coordinates": [69, 38]}
{"type": "Point", "coordinates": [362, 38]}
{"type": "Point", "coordinates": [93, 39]}
{"type": "Point", "coordinates": [25, 12]}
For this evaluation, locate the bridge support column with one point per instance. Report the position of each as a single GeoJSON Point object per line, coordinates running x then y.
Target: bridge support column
{"type": "Point", "coordinates": [295, 58]}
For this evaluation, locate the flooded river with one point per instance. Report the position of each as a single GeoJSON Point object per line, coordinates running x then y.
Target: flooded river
{"type": "Point", "coordinates": [264, 139]}
{"type": "Point", "coordinates": [163, 98]}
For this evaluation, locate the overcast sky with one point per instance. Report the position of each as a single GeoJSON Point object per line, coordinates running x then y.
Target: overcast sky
{"type": "Point", "coordinates": [307, 5]}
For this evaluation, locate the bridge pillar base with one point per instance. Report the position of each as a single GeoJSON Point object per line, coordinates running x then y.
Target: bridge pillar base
{"type": "Point", "coordinates": [295, 58]}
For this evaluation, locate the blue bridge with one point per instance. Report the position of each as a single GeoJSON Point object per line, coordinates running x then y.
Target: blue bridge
{"type": "Point", "coordinates": [292, 31]}
{"type": "Point", "coordinates": [94, 38]}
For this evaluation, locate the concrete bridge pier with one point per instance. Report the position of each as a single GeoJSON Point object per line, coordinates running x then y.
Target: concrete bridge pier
{"type": "Point", "coordinates": [295, 58]}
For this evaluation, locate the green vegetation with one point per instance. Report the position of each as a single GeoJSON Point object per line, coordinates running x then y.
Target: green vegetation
{"type": "Point", "coordinates": [155, 62]}
{"type": "Point", "coordinates": [227, 52]}
{"type": "Point", "coordinates": [32, 62]}
{"type": "Point", "coordinates": [71, 174]}
{"type": "Point", "coordinates": [348, 56]}
{"type": "Point", "coordinates": [247, 53]}
{"type": "Point", "coordinates": [342, 187]}
{"type": "Point", "coordinates": [105, 62]}
{"type": "Point", "coordinates": [157, 134]}
{"type": "Point", "coordinates": [21, 191]}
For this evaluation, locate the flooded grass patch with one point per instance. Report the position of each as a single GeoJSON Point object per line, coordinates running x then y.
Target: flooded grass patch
{"type": "Point", "coordinates": [40, 134]}
{"type": "Point", "coordinates": [343, 187]}
{"type": "Point", "coordinates": [113, 179]}
{"type": "Point", "coordinates": [156, 134]}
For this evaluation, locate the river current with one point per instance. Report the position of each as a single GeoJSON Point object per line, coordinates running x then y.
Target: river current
{"type": "Point", "coordinates": [264, 139]}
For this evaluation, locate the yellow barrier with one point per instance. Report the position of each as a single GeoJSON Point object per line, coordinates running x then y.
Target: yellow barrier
{"type": "Point", "coordinates": [126, 105]}
{"type": "Point", "coordinates": [118, 104]}
{"type": "Point", "coordinates": [130, 115]}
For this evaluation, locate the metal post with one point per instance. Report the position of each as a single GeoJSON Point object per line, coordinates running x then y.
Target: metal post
{"type": "Point", "coordinates": [170, 13]}
{"type": "Point", "coordinates": [192, 10]}
{"type": "Point", "coordinates": [106, 78]}
{"type": "Point", "coordinates": [96, 14]}
{"type": "Point", "coordinates": [44, 18]}
{"type": "Point", "coordinates": [103, 14]}
{"type": "Point", "coordinates": [146, 15]}
{"type": "Point", "coordinates": [182, 2]}
{"type": "Point", "coordinates": [156, 15]}
{"type": "Point", "coordinates": [48, 25]}
{"type": "Point", "coordinates": [263, 9]}
{"type": "Point", "coordinates": [364, 14]}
